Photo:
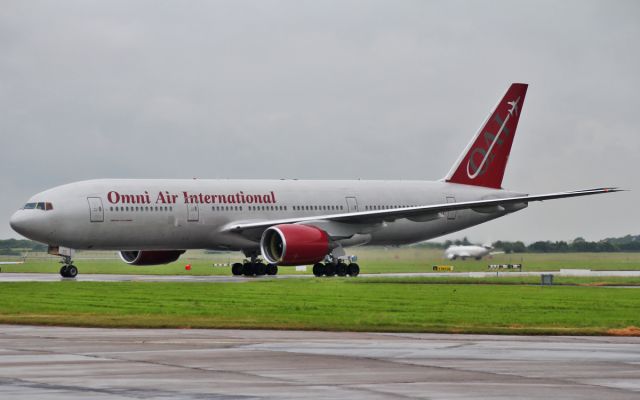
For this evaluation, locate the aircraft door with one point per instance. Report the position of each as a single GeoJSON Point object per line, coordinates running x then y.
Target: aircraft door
{"type": "Point", "coordinates": [451, 215]}
{"type": "Point", "coordinates": [96, 212]}
{"type": "Point", "coordinates": [352, 204]}
{"type": "Point", "coordinates": [193, 213]}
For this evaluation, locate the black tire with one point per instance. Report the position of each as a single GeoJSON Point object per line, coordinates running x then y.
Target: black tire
{"type": "Point", "coordinates": [260, 269]}
{"type": "Point", "coordinates": [272, 269]}
{"type": "Point", "coordinates": [318, 269]}
{"type": "Point", "coordinates": [329, 269]}
{"type": "Point", "coordinates": [248, 269]}
{"type": "Point", "coordinates": [236, 269]}
{"type": "Point", "coordinates": [353, 269]}
{"type": "Point", "coordinates": [63, 271]}
{"type": "Point", "coordinates": [341, 269]}
{"type": "Point", "coordinates": [72, 271]}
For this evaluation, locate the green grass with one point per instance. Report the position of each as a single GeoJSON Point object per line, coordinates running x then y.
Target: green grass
{"type": "Point", "coordinates": [324, 304]}
{"type": "Point", "coordinates": [505, 279]}
{"type": "Point", "coordinates": [371, 260]}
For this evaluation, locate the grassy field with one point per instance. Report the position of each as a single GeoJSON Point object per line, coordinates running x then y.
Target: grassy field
{"type": "Point", "coordinates": [326, 304]}
{"type": "Point", "coordinates": [371, 260]}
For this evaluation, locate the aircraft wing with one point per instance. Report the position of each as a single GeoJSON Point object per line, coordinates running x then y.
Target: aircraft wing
{"type": "Point", "coordinates": [379, 216]}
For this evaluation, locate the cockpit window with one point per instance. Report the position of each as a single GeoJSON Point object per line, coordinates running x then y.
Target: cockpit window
{"type": "Point", "coordinates": [46, 206]}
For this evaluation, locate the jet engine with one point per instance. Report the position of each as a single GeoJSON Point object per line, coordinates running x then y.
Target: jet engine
{"type": "Point", "coordinates": [290, 244]}
{"type": "Point", "coordinates": [150, 257]}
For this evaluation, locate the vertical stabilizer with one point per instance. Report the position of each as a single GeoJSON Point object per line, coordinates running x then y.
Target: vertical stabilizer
{"type": "Point", "coordinates": [484, 160]}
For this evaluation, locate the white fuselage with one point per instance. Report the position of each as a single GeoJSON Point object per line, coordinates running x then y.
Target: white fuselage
{"type": "Point", "coordinates": [165, 214]}
{"type": "Point", "coordinates": [469, 251]}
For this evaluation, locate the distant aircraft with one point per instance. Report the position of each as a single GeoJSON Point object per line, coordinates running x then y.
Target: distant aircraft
{"type": "Point", "coordinates": [284, 222]}
{"type": "Point", "coordinates": [470, 251]}
{"type": "Point", "coordinates": [11, 262]}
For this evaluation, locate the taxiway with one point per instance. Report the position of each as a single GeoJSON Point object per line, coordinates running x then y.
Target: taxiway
{"type": "Point", "coordinates": [70, 363]}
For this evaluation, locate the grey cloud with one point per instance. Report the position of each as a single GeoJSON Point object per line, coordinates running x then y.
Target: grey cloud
{"type": "Point", "coordinates": [338, 90]}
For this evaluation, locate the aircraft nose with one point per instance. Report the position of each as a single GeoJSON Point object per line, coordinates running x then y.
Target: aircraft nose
{"type": "Point", "coordinates": [32, 224]}
{"type": "Point", "coordinates": [18, 222]}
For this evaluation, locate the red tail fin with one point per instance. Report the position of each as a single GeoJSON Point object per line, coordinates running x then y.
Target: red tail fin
{"type": "Point", "coordinates": [483, 161]}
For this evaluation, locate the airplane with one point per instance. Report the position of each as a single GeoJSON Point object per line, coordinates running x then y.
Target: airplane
{"type": "Point", "coordinates": [469, 251]}
{"type": "Point", "coordinates": [11, 262]}
{"type": "Point", "coordinates": [283, 222]}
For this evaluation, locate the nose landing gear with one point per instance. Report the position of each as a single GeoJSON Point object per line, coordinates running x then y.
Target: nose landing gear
{"type": "Point", "coordinates": [68, 270]}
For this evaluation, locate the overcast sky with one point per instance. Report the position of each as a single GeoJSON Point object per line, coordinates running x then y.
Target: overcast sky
{"type": "Point", "coordinates": [322, 89]}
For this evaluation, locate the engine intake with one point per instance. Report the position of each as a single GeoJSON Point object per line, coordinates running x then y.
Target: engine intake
{"type": "Point", "coordinates": [150, 257]}
{"type": "Point", "coordinates": [290, 244]}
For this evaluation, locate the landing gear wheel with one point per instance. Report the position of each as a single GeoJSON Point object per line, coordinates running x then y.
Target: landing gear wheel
{"type": "Point", "coordinates": [260, 268]}
{"type": "Point", "coordinates": [236, 269]}
{"type": "Point", "coordinates": [72, 271]}
{"type": "Point", "coordinates": [318, 269]}
{"type": "Point", "coordinates": [63, 271]}
{"type": "Point", "coordinates": [248, 269]}
{"type": "Point", "coordinates": [353, 269]}
{"type": "Point", "coordinates": [329, 269]}
{"type": "Point", "coordinates": [272, 269]}
{"type": "Point", "coordinates": [341, 269]}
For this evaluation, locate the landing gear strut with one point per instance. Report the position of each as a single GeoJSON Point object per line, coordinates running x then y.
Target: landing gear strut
{"type": "Point", "coordinates": [254, 267]}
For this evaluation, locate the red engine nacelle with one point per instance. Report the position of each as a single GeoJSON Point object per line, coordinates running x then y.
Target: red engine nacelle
{"type": "Point", "coordinates": [289, 244]}
{"type": "Point", "coordinates": [150, 257]}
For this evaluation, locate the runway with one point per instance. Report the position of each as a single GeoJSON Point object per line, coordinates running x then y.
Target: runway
{"type": "Point", "coordinates": [74, 363]}
{"type": "Point", "coordinates": [38, 277]}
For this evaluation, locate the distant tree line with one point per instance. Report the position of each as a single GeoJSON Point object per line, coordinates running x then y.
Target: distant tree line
{"type": "Point", "coordinates": [578, 245]}
{"type": "Point", "coordinates": [15, 247]}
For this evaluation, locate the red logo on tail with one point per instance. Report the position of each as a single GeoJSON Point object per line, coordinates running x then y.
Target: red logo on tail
{"type": "Point", "coordinates": [485, 161]}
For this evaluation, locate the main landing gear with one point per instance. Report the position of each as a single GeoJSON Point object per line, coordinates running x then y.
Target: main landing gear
{"type": "Point", "coordinates": [253, 267]}
{"type": "Point", "coordinates": [339, 268]}
{"type": "Point", "coordinates": [68, 270]}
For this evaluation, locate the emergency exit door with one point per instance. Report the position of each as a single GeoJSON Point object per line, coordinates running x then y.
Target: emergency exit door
{"type": "Point", "coordinates": [193, 213]}
{"type": "Point", "coordinates": [96, 212]}
{"type": "Point", "coordinates": [451, 215]}
{"type": "Point", "coordinates": [352, 204]}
